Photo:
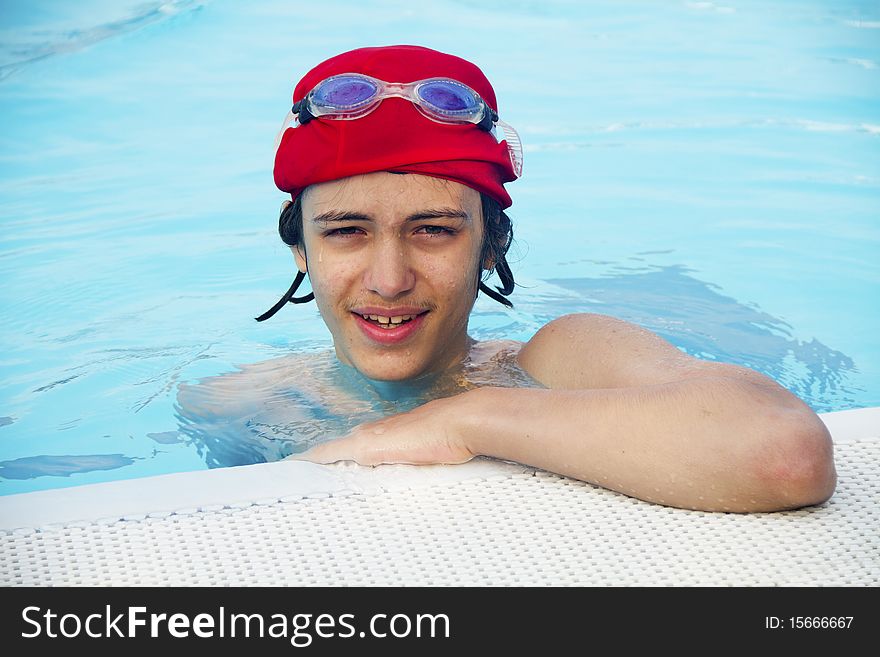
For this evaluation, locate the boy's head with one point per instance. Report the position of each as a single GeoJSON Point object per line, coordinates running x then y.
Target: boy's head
{"type": "Point", "coordinates": [395, 261]}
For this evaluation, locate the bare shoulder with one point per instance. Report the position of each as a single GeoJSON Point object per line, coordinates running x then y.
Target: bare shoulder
{"type": "Point", "coordinates": [238, 394]}
{"type": "Point", "coordinates": [489, 350]}
{"type": "Point", "coordinates": [590, 350]}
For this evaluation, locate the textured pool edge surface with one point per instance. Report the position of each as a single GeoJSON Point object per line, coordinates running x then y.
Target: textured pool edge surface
{"type": "Point", "coordinates": [267, 483]}
{"type": "Point", "coordinates": [239, 486]}
{"type": "Point", "coordinates": [504, 526]}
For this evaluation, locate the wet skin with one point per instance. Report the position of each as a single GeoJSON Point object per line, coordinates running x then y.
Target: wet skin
{"type": "Point", "coordinates": [400, 248]}
{"type": "Point", "coordinates": [624, 409]}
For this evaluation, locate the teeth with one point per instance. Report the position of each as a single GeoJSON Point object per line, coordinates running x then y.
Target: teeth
{"type": "Point", "coordinates": [387, 322]}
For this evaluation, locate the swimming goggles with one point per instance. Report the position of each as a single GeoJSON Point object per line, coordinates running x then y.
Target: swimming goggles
{"type": "Point", "coordinates": [354, 96]}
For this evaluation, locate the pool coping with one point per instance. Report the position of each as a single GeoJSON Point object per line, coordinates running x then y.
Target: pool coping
{"type": "Point", "coordinates": [268, 483]}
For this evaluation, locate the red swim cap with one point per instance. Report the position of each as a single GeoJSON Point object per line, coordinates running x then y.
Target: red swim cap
{"type": "Point", "coordinates": [396, 136]}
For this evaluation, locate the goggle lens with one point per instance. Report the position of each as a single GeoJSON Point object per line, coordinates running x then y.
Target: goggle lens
{"type": "Point", "coordinates": [448, 97]}
{"type": "Point", "coordinates": [343, 92]}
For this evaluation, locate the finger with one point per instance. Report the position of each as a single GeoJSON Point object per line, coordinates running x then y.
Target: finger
{"type": "Point", "coordinates": [341, 449]}
{"type": "Point", "coordinates": [377, 450]}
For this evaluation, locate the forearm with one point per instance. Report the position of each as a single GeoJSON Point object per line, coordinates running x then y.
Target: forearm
{"type": "Point", "coordinates": [708, 443]}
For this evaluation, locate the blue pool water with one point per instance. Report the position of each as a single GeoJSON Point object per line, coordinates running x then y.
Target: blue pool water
{"type": "Point", "coordinates": [709, 170]}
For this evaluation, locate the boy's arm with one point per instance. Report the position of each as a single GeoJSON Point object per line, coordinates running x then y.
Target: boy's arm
{"type": "Point", "coordinates": [628, 411]}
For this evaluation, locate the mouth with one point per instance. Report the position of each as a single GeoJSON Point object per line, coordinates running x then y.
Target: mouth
{"type": "Point", "coordinates": [391, 327]}
{"type": "Point", "coordinates": [388, 322]}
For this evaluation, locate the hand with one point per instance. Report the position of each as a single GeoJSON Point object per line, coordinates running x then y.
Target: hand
{"type": "Point", "coordinates": [430, 433]}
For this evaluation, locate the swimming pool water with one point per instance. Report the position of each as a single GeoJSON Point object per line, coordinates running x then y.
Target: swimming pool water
{"type": "Point", "coordinates": [709, 170]}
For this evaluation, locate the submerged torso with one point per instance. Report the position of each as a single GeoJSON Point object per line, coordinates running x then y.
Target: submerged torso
{"type": "Point", "coordinates": [273, 409]}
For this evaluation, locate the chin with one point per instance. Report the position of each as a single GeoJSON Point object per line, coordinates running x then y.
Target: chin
{"type": "Point", "coordinates": [389, 365]}
{"type": "Point", "coordinates": [389, 372]}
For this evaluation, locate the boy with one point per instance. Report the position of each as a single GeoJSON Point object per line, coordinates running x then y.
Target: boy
{"type": "Point", "coordinates": [396, 173]}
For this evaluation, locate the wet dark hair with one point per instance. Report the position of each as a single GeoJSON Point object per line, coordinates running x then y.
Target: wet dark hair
{"type": "Point", "coordinates": [497, 238]}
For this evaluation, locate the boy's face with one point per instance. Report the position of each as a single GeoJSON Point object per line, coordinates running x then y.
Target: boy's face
{"type": "Point", "coordinates": [403, 250]}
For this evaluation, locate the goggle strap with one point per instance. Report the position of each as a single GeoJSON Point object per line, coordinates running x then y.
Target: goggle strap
{"type": "Point", "coordinates": [506, 276]}
{"type": "Point", "coordinates": [490, 116]}
{"type": "Point", "coordinates": [485, 289]}
{"type": "Point", "coordinates": [514, 146]}
{"type": "Point", "coordinates": [301, 109]}
{"type": "Point", "coordinates": [288, 297]}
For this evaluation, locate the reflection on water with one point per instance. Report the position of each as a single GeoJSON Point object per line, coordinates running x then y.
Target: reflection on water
{"type": "Point", "coordinates": [697, 318]}
{"type": "Point", "coordinates": [165, 437]}
{"type": "Point", "coordinates": [273, 409]}
{"type": "Point", "coordinates": [30, 467]}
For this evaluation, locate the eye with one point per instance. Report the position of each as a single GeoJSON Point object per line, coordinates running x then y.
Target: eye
{"type": "Point", "coordinates": [435, 231]}
{"type": "Point", "coordinates": [345, 231]}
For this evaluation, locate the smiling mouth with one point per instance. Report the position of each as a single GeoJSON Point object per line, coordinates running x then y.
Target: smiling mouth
{"type": "Point", "coordinates": [388, 322]}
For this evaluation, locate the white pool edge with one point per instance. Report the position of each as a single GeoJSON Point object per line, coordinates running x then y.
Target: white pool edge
{"type": "Point", "coordinates": [855, 424]}
{"type": "Point", "coordinates": [267, 483]}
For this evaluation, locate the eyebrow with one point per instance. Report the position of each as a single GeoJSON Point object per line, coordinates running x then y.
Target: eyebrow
{"type": "Point", "coordinates": [338, 216]}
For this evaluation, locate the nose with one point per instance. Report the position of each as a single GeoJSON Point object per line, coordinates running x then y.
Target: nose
{"type": "Point", "coordinates": [389, 273]}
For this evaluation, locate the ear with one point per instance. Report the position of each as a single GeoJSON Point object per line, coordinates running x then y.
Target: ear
{"type": "Point", "coordinates": [299, 254]}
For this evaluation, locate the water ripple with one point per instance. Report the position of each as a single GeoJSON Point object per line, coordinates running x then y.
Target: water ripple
{"type": "Point", "coordinates": [865, 25]}
{"type": "Point", "coordinates": [696, 317]}
{"type": "Point", "coordinates": [20, 54]}
{"type": "Point", "coordinates": [574, 130]}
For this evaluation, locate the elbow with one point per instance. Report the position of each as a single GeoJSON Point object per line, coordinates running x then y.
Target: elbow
{"type": "Point", "coordinates": [797, 468]}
